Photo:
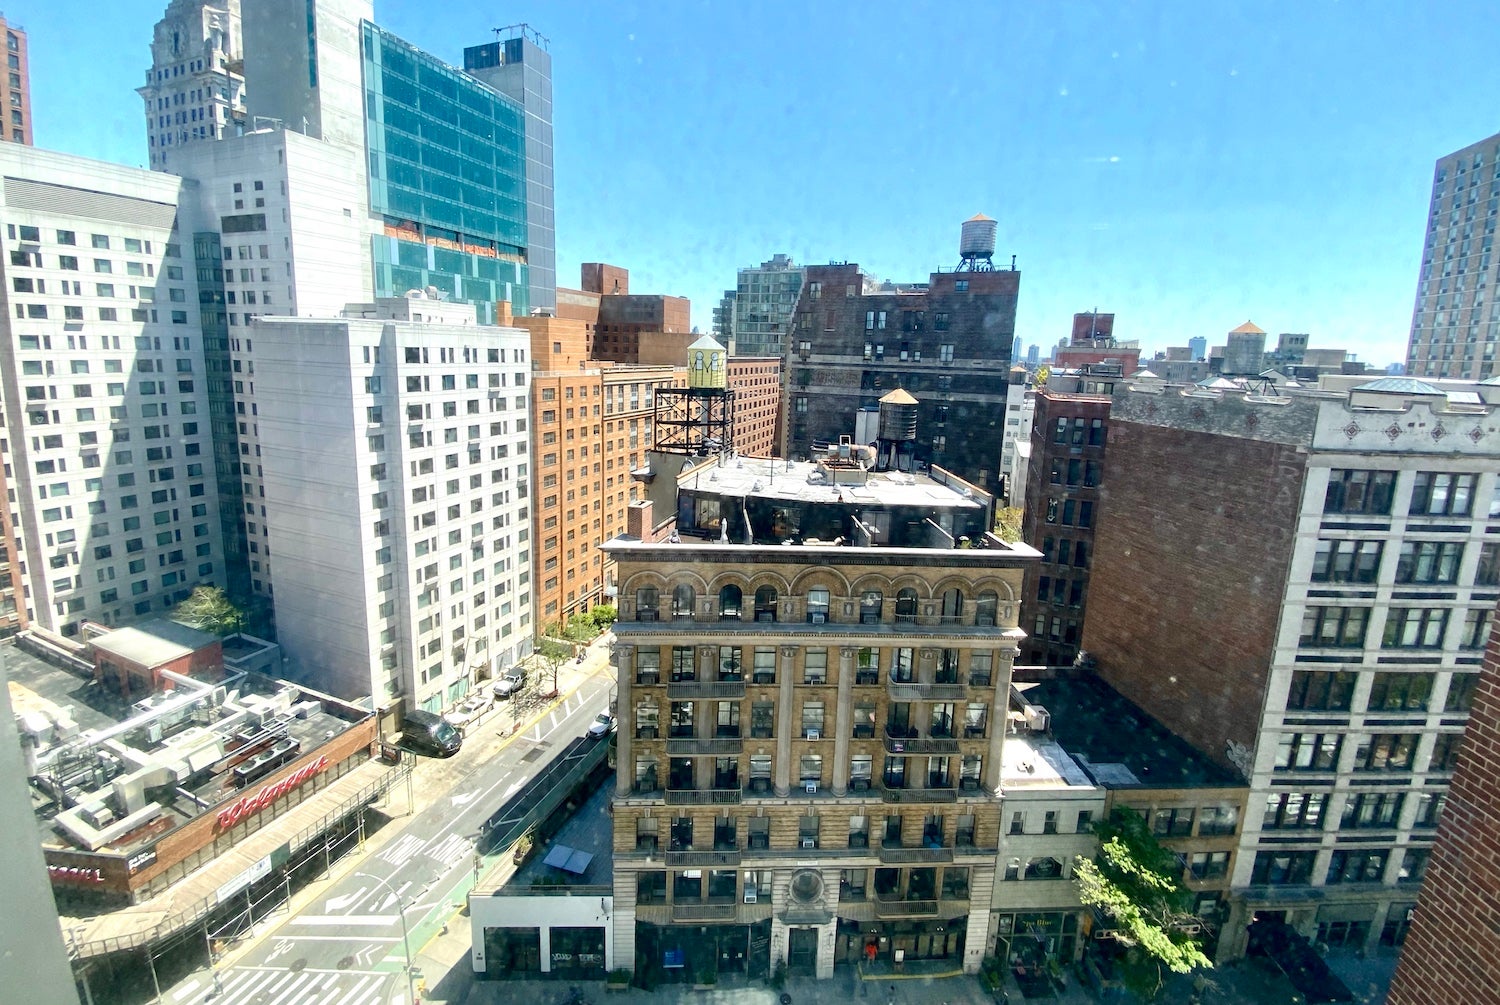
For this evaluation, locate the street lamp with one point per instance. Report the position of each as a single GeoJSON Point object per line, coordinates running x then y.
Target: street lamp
{"type": "Point", "coordinates": [411, 991]}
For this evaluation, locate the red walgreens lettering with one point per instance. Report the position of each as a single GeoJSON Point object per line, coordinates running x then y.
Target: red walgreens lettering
{"type": "Point", "coordinates": [250, 804]}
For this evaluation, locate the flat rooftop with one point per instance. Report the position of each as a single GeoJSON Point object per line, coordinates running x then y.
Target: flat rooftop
{"type": "Point", "coordinates": [1114, 742]}
{"type": "Point", "coordinates": [87, 767]}
{"type": "Point", "coordinates": [1031, 762]}
{"type": "Point", "coordinates": [589, 830]}
{"type": "Point", "coordinates": [814, 482]}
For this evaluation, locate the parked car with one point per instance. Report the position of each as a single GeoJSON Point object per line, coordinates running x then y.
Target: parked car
{"type": "Point", "coordinates": [428, 733]}
{"type": "Point", "coordinates": [510, 683]}
{"type": "Point", "coordinates": [602, 726]}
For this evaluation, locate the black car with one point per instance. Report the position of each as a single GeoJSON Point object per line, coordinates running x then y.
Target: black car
{"type": "Point", "coordinates": [429, 733]}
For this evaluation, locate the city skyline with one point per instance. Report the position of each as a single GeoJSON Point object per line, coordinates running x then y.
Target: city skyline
{"type": "Point", "coordinates": [1254, 180]}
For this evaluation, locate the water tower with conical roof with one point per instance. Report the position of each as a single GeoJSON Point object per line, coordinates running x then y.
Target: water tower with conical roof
{"type": "Point", "coordinates": [896, 441]}
{"type": "Point", "coordinates": [976, 244]}
{"type": "Point", "coordinates": [698, 419]}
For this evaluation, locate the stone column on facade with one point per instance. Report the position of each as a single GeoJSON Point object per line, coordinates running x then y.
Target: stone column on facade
{"type": "Point", "coordinates": [707, 670]}
{"type": "Point", "coordinates": [999, 718]}
{"type": "Point", "coordinates": [784, 722]}
{"type": "Point", "coordinates": [624, 659]}
{"type": "Point", "coordinates": [843, 721]}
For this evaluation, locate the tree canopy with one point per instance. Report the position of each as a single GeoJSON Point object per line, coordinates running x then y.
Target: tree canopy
{"type": "Point", "coordinates": [209, 610]}
{"type": "Point", "coordinates": [1136, 883]}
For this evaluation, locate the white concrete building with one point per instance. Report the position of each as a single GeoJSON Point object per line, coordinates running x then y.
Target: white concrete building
{"type": "Point", "coordinates": [194, 91]}
{"type": "Point", "coordinates": [108, 450]}
{"type": "Point", "coordinates": [394, 449]}
{"type": "Point", "coordinates": [1015, 447]}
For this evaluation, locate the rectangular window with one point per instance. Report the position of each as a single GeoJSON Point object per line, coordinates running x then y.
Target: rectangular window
{"type": "Point", "coordinates": [1364, 866]}
{"type": "Point", "coordinates": [1386, 752]}
{"type": "Point", "coordinates": [1335, 627]}
{"type": "Point", "coordinates": [1321, 690]}
{"type": "Point", "coordinates": [1372, 810]}
{"type": "Point", "coordinates": [1400, 692]}
{"type": "Point", "coordinates": [1415, 628]}
{"type": "Point", "coordinates": [1429, 562]}
{"type": "Point", "coordinates": [1359, 492]}
{"type": "Point", "coordinates": [1308, 751]}
{"type": "Point", "coordinates": [1441, 493]}
{"type": "Point", "coordinates": [1294, 811]}
{"type": "Point", "coordinates": [1476, 631]}
{"type": "Point", "coordinates": [1282, 868]}
{"type": "Point", "coordinates": [1347, 561]}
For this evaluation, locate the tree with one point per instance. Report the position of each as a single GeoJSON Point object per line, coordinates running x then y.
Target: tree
{"type": "Point", "coordinates": [209, 610]}
{"type": "Point", "coordinates": [1135, 882]}
{"type": "Point", "coordinates": [1008, 523]}
{"type": "Point", "coordinates": [554, 654]}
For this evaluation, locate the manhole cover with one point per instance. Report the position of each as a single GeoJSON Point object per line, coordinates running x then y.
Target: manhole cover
{"type": "Point", "coordinates": [298, 965]}
{"type": "Point", "coordinates": [345, 963]}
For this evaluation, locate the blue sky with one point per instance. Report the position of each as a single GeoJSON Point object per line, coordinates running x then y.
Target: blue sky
{"type": "Point", "coordinates": [1185, 165]}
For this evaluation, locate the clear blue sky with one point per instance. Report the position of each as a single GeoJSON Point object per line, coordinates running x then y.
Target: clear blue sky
{"type": "Point", "coordinates": [1185, 165]}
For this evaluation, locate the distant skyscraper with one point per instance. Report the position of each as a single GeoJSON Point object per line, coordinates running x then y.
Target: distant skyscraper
{"type": "Point", "coordinates": [1033, 355]}
{"type": "Point", "coordinates": [762, 304]}
{"type": "Point", "coordinates": [520, 67]}
{"type": "Point", "coordinates": [195, 90]}
{"type": "Point", "coordinates": [1015, 348]}
{"type": "Point", "coordinates": [16, 92]}
{"type": "Point", "coordinates": [1453, 331]}
{"type": "Point", "coordinates": [723, 326]}
{"type": "Point", "coordinates": [1197, 347]}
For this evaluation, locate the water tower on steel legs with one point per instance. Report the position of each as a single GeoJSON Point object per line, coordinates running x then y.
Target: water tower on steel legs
{"type": "Point", "coordinates": [976, 244]}
{"type": "Point", "coordinates": [698, 419]}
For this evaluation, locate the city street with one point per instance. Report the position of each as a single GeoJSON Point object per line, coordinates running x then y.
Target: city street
{"type": "Point", "coordinates": [347, 941]}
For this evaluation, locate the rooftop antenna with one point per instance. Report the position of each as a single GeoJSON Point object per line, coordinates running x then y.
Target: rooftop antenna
{"type": "Point", "coordinates": [525, 31]}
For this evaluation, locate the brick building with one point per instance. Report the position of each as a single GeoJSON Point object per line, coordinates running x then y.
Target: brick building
{"type": "Point", "coordinates": [15, 89]}
{"type": "Point", "coordinates": [635, 327]}
{"type": "Point", "coordinates": [811, 737]}
{"type": "Point", "coordinates": [1300, 586]}
{"type": "Point", "coordinates": [1452, 951]}
{"type": "Point", "coordinates": [1068, 435]}
{"type": "Point", "coordinates": [947, 342]}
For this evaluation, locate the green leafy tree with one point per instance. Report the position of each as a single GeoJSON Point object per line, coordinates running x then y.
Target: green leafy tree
{"type": "Point", "coordinates": [1008, 523]}
{"type": "Point", "coordinates": [209, 610]}
{"type": "Point", "coordinates": [604, 615]}
{"type": "Point", "coordinates": [554, 654]}
{"type": "Point", "coordinates": [1135, 882]}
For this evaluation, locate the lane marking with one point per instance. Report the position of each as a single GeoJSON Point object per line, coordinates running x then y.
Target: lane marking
{"type": "Point", "coordinates": [331, 920]}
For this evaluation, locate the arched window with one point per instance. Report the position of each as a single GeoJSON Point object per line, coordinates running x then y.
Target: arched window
{"type": "Point", "coordinates": [986, 605]}
{"type": "Point", "coordinates": [906, 605]}
{"type": "Point", "coordinates": [647, 603]}
{"type": "Point", "coordinates": [682, 601]}
{"type": "Point", "coordinates": [817, 605]}
{"type": "Point", "coordinates": [953, 606]}
{"type": "Point", "coordinates": [869, 607]}
{"type": "Point", "coordinates": [765, 603]}
{"type": "Point", "coordinates": [730, 599]}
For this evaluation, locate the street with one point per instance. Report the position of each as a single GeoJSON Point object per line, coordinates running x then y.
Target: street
{"type": "Point", "coordinates": [347, 942]}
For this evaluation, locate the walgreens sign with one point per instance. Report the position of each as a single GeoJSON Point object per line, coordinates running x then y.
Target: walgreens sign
{"type": "Point", "coordinates": [241, 808]}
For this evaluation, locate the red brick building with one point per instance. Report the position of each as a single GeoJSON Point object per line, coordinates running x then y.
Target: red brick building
{"type": "Point", "coordinates": [1452, 952]}
{"type": "Point", "coordinates": [1068, 437]}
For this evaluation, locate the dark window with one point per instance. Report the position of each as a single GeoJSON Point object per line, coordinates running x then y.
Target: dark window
{"type": "Point", "coordinates": [1366, 492]}
{"type": "Point", "coordinates": [1321, 690]}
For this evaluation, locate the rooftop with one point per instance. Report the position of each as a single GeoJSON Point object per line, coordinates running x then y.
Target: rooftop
{"type": "Point", "coordinates": [1114, 742]}
{"type": "Point", "coordinates": [153, 643]}
{"type": "Point", "coordinates": [822, 481]}
{"type": "Point", "coordinates": [1034, 762]}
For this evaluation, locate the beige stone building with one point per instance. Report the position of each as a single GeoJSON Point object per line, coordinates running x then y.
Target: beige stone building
{"type": "Point", "coordinates": [811, 735]}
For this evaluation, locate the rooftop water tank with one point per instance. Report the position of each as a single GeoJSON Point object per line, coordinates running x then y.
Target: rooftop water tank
{"type": "Point", "coordinates": [977, 238]}
{"type": "Point", "coordinates": [898, 416]}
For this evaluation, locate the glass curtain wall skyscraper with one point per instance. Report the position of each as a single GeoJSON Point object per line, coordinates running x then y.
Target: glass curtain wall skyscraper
{"type": "Point", "coordinates": [447, 162]}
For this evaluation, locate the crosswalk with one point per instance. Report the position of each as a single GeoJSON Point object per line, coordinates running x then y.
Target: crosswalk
{"type": "Point", "coordinates": [255, 986]}
{"type": "Point", "coordinates": [405, 848]}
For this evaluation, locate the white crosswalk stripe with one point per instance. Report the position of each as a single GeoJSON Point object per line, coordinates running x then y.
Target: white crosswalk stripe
{"type": "Point", "coordinates": [455, 848]}
{"type": "Point", "coordinates": [319, 987]}
{"type": "Point", "coordinates": [406, 848]}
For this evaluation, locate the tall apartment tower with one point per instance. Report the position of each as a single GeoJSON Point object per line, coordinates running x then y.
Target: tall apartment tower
{"type": "Point", "coordinates": [1302, 587]}
{"type": "Point", "coordinates": [1452, 952]}
{"type": "Point", "coordinates": [520, 67]}
{"type": "Point", "coordinates": [195, 86]}
{"type": "Point", "coordinates": [109, 455]}
{"type": "Point", "coordinates": [762, 307]}
{"type": "Point", "coordinates": [15, 94]}
{"type": "Point", "coordinates": [811, 738]}
{"type": "Point", "coordinates": [394, 447]}
{"type": "Point", "coordinates": [346, 187]}
{"type": "Point", "coordinates": [946, 342]}
{"type": "Point", "coordinates": [1454, 333]}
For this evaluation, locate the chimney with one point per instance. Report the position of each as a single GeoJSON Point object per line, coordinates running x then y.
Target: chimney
{"type": "Point", "coordinates": [638, 520]}
{"type": "Point", "coordinates": [502, 313]}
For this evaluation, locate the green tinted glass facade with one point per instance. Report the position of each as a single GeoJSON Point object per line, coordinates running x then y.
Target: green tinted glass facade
{"type": "Point", "coordinates": [448, 173]}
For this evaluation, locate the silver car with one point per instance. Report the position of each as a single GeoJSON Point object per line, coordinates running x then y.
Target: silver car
{"type": "Point", "coordinates": [602, 726]}
{"type": "Point", "coordinates": [510, 683]}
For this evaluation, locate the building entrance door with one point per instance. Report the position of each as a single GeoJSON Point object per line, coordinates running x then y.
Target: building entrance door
{"type": "Point", "coordinates": [802, 952]}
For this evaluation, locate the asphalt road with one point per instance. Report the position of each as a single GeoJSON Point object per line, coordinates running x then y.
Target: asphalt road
{"type": "Point", "coordinates": [346, 946]}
